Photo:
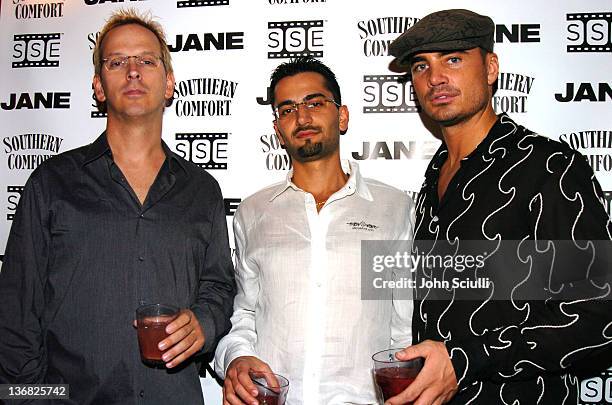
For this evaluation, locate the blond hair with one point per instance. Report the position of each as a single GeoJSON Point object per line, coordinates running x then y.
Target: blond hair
{"type": "Point", "coordinates": [131, 16]}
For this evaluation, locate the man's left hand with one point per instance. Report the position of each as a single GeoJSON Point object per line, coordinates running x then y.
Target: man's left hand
{"type": "Point", "coordinates": [436, 383]}
{"type": "Point", "coordinates": [186, 338]}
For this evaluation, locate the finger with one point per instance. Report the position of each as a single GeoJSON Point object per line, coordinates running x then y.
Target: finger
{"type": "Point", "coordinates": [411, 352]}
{"type": "Point", "coordinates": [229, 395]}
{"type": "Point", "coordinates": [244, 380]}
{"type": "Point", "coordinates": [245, 393]}
{"type": "Point", "coordinates": [184, 318]}
{"type": "Point", "coordinates": [175, 337]}
{"type": "Point", "coordinates": [428, 397]}
{"type": "Point", "coordinates": [182, 350]}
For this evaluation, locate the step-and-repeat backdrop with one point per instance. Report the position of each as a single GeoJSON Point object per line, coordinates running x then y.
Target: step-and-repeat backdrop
{"type": "Point", "coordinates": [554, 78]}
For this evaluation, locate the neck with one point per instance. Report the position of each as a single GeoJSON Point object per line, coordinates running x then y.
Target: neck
{"type": "Point", "coordinates": [461, 139]}
{"type": "Point", "coordinates": [134, 141]}
{"type": "Point", "coordinates": [321, 178]}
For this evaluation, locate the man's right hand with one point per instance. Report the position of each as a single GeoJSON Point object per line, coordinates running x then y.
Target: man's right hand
{"type": "Point", "coordinates": [238, 389]}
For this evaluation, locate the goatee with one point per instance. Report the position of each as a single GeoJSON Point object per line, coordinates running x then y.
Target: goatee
{"type": "Point", "coordinates": [310, 149]}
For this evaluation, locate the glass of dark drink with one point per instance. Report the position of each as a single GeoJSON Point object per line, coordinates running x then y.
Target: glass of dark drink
{"type": "Point", "coordinates": [392, 375]}
{"type": "Point", "coordinates": [151, 322]}
{"type": "Point", "coordinates": [271, 388]}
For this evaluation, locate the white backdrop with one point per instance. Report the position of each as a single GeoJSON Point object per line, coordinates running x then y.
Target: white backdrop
{"type": "Point", "coordinates": [554, 63]}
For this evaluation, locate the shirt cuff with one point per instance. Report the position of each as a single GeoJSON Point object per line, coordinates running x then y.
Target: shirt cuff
{"type": "Point", "coordinates": [207, 323]}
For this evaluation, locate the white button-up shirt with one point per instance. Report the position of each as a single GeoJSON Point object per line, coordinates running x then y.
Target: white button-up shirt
{"type": "Point", "coordinates": [299, 306]}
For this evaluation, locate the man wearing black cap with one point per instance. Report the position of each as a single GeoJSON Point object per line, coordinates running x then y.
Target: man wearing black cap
{"type": "Point", "coordinates": [495, 181]}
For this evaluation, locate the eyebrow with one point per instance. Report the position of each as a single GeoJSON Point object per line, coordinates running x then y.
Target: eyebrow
{"type": "Point", "coordinates": [415, 59]}
{"type": "Point", "coordinates": [123, 54]}
{"type": "Point", "coordinates": [306, 98]}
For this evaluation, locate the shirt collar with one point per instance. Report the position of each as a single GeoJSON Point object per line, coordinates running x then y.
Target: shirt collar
{"type": "Point", "coordinates": [355, 183]}
{"type": "Point", "coordinates": [100, 147]}
{"type": "Point", "coordinates": [497, 131]}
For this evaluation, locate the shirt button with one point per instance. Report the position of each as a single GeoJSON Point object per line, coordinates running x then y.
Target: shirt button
{"type": "Point", "coordinates": [141, 258]}
{"type": "Point", "coordinates": [435, 219]}
{"type": "Point", "coordinates": [141, 393]}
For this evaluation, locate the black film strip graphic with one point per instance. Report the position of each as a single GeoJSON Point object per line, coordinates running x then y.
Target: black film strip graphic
{"type": "Point", "coordinates": [12, 190]}
{"type": "Point", "coordinates": [585, 18]}
{"type": "Point", "coordinates": [285, 25]}
{"type": "Point", "coordinates": [98, 114]}
{"type": "Point", "coordinates": [211, 137]}
{"type": "Point", "coordinates": [26, 38]}
{"type": "Point", "coordinates": [201, 3]}
{"type": "Point", "coordinates": [381, 108]}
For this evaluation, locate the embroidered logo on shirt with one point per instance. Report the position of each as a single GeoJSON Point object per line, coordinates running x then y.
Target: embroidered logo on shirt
{"type": "Point", "coordinates": [362, 226]}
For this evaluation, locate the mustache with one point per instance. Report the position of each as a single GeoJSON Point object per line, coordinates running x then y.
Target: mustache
{"type": "Point", "coordinates": [443, 88]}
{"type": "Point", "coordinates": [306, 128]}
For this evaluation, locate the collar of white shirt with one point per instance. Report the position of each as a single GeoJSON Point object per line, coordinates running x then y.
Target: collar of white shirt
{"type": "Point", "coordinates": [355, 183]}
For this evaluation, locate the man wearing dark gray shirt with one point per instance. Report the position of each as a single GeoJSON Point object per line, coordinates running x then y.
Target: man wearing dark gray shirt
{"type": "Point", "coordinates": [107, 227]}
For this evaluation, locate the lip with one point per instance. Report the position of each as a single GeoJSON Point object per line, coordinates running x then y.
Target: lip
{"type": "Point", "coordinates": [306, 134]}
{"type": "Point", "coordinates": [442, 98]}
{"type": "Point", "coordinates": [134, 92]}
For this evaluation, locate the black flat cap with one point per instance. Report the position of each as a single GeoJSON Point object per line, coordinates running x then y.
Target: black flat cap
{"type": "Point", "coordinates": [446, 30]}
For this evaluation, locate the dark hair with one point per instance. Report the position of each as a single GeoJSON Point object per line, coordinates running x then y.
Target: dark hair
{"type": "Point", "coordinates": [301, 65]}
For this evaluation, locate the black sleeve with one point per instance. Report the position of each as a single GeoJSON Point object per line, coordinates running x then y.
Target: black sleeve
{"type": "Point", "coordinates": [575, 323]}
{"type": "Point", "coordinates": [22, 279]}
{"type": "Point", "coordinates": [217, 288]}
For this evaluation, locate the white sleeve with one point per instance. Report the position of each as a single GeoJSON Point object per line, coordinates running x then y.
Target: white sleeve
{"type": "Point", "coordinates": [240, 341]}
{"type": "Point", "coordinates": [401, 317]}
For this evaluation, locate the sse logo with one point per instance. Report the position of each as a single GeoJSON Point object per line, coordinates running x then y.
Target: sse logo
{"type": "Point", "coordinates": [589, 32]}
{"type": "Point", "coordinates": [207, 150]}
{"type": "Point", "coordinates": [291, 39]}
{"type": "Point", "coordinates": [386, 94]}
{"type": "Point", "coordinates": [14, 194]}
{"type": "Point", "coordinates": [201, 3]}
{"type": "Point", "coordinates": [597, 389]}
{"type": "Point", "coordinates": [36, 50]}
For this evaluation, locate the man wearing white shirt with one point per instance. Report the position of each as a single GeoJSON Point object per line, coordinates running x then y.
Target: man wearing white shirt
{"type": "Point", "coordinates": [299, 311]}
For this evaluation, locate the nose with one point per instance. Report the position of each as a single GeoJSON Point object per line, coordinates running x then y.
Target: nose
{"type": "Point", "coordinates": [437, 75]}
{"type": "Point", "coordinates": [132, 68]}
{"type": "Point", "coordinates": [303, 114]}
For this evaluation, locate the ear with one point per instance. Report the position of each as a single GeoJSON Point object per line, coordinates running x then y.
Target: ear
{"type": "Point", "coordinates": [492, 68]}
{"type": "Point", "coordinates": [98, 88]}
{"type": "Point", "coordinates": [343, 118]}
{"type": "Point", "coordinates": [278, 133]}
{"type": "Point", "coordinates": [169, 86]}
